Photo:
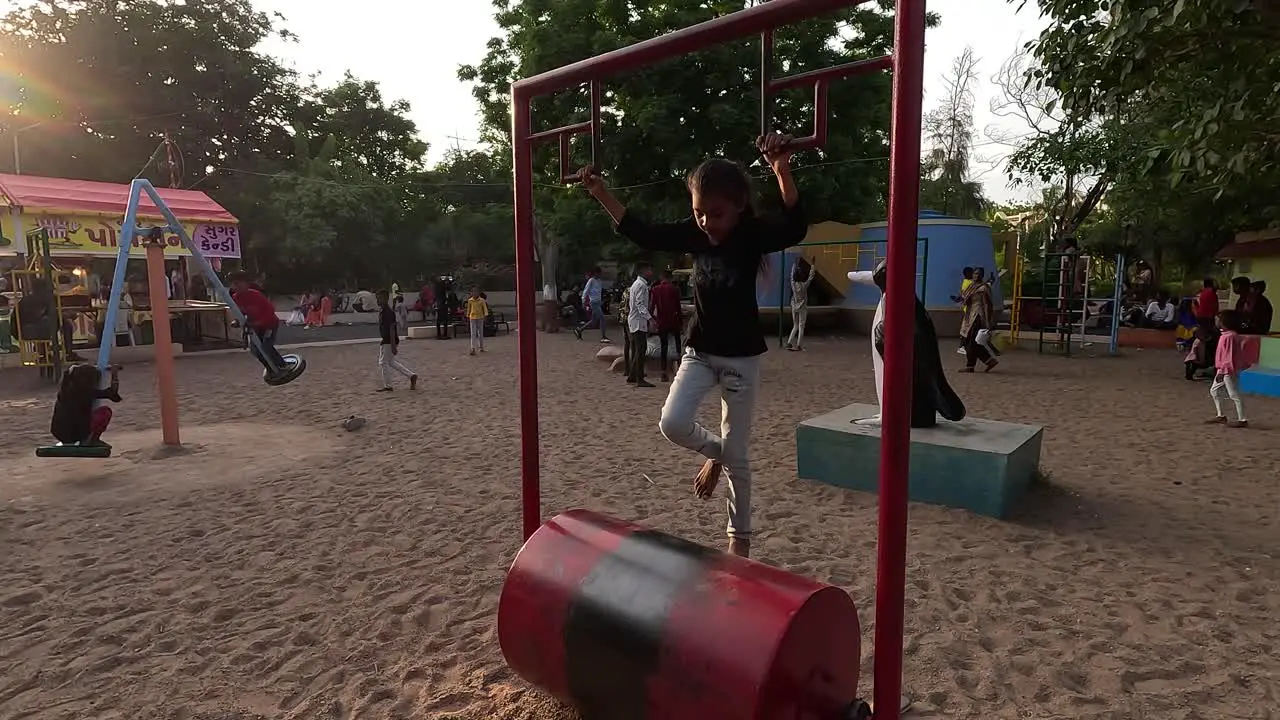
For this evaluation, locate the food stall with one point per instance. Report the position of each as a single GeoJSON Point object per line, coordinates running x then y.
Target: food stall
{"type": "Point", "coordinates": [83, 222]}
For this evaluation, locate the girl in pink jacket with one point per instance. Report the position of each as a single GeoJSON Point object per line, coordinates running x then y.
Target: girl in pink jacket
{"type": "Point", "coordinates": [1235, 354]}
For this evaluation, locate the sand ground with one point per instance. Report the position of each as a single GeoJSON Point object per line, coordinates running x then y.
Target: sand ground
{"type": "Point", "coordinates": [282, 568]}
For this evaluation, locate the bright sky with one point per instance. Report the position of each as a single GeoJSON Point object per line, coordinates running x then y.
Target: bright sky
{"type": "Point", "coordinates": [413, 49]}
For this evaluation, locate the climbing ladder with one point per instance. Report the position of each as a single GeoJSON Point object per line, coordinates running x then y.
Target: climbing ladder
{"type": "Point", "coordinates": [1060, 300]}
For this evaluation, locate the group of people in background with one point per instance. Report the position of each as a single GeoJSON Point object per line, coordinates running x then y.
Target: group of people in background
{"type": "Point", "coordinates": [644, 309]}
{"type": "Point", "coordinates": [1225, 342]}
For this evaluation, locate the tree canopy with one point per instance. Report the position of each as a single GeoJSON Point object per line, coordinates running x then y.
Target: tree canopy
{"type": "Point", "coordinates": [1158, 128]}
{"type": "Point", "coordinates": [661, 121]}
{"type": "Point", "coordinates": [331, 182]}
{"type": "Point", "coordinates": [1161, 117]}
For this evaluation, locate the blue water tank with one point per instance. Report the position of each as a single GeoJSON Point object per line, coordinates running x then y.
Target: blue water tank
{"type": "Point", "coordinates": [947, 245]}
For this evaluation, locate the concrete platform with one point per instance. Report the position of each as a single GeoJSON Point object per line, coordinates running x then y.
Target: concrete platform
{"type": "Point", "coordinates": [421, 332]}
{"type": "Point", "coordinates": [1261, 381]}
{"type": "Point", "coordinates": [977, 465]}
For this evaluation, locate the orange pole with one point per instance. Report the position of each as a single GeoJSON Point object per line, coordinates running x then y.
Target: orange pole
{"type": "Point", "coordinates": [163, 344]}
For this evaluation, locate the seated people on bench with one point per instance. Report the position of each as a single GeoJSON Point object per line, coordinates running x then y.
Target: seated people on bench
{"type": "Point", "coordinates": [1161, 313]}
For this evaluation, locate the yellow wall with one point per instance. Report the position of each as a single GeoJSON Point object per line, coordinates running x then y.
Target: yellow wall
{"type": "Point", "coordinates": [1266, 269]}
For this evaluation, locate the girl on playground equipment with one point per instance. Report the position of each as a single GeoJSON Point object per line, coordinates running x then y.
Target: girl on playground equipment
{"type": "Point", "coordinates": [1235, 354]}
{"type": "Point", "coordinates": [801, 277]}
{"type": "Point", "coordinates": [75, 419]}
{"type": "Point", "coordinates": [728, 242]}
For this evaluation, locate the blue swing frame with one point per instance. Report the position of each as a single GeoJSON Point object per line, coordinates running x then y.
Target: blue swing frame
{"type": "Point", "coordinates": [129, 232]}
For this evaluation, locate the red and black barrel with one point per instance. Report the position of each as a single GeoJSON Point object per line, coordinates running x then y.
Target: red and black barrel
{"type": "Point", "coordinates": [628, 623]}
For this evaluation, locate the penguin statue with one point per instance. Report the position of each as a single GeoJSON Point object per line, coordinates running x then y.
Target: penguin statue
{"type": "Point", "coordinates": [931, 395]}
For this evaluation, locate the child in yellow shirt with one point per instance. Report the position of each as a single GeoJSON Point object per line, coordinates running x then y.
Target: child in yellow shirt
{"type": "Point", "coordinates": [477, 309]}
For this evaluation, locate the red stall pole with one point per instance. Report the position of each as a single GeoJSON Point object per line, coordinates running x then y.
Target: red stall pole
{"type": "Point", "coordinates": [895, 427]}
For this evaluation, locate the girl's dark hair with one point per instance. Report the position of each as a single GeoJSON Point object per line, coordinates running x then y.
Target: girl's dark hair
{"type": "Point", "coordinates": [721, 178]}
{"type": "Point", "coordinates": [718, 177]}
{"type": "Point", "coordinates": [800, 272]}
{"type": "Point", "coordinates": [1230, 320]}
{"type": "Point", "coordinates": [79, 380]}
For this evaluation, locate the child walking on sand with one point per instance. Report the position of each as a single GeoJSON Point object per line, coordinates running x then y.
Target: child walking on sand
{"type": "Point", "coordinates": [728, 242]}
{"type": "Point", "coordinates": [389, 348]}
{"type": "Point", "coordinates": [1235, 354]}
{"type": "Point", "coordinates": [477, 309]}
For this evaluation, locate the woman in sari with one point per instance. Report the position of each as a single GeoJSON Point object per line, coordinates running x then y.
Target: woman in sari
{"type": "Point", "coordinates": [978, 315]}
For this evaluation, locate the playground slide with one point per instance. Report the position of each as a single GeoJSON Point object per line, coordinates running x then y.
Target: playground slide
{"type": "Point", "coordinates": [835, 262]}
{"type": "Point", "coordinates": [832, 276]}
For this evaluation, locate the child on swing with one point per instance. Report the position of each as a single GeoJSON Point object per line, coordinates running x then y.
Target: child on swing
{"type": "Point", "coordinates": [75, 419]}
{"type": "Point", "coordinates": [728, 242]}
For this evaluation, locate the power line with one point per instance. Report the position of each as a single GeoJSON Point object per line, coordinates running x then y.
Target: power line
{"type": "Point", "coordinates": [109, 121]}
{"type": "Point", "coordinates": [414, 183]}
{"type": "Point", "coordinates": [154, 154]}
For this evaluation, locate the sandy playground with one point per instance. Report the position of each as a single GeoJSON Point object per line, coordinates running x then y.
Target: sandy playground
{"type": "Point", "coordinates": [282, 568]}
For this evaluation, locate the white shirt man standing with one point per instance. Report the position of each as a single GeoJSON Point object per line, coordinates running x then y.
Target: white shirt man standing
{"type": "Point", "coordinates": [638, 318]}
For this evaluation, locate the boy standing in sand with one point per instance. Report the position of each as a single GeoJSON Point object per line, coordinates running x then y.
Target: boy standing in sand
{"type": "Point", "coordinates": [390, 346]}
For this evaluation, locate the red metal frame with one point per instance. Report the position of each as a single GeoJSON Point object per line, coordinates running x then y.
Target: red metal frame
{"type": "Point", "coordinates": [904, 186]}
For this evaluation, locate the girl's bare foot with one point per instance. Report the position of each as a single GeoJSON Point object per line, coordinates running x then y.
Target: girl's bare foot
{"type": "Point", "coordinates": [704, 485]}
{"type": "Point", "coordinates": [740, 546]}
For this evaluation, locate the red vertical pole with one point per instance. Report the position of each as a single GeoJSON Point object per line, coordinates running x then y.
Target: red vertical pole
{"type": "Point", "coordinates": [895, 433]}
{"type": "Point", "coordinates": [526, 315]}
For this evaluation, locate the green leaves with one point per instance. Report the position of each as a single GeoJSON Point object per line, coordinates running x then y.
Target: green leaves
{"type": "Point", "coordinates": [661, 121]}
{"type": "Point", "coordinates": [1210, 61]}
{"type": "Point", "coordinates": [1176, 104]}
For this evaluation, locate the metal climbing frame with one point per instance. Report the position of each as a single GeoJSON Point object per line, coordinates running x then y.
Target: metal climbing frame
{"type": "Point", "coordinates": [861, 248]}
{"type": "Point", "coordinates": [45, 355]}
{"type": "Point", "coordinates": [1069, 308]}
{"type": "Point", "coordinates": [907, 63]}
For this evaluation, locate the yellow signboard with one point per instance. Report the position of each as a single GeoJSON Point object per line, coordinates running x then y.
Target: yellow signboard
{"type": "Point", "coordinates": [89, 235]}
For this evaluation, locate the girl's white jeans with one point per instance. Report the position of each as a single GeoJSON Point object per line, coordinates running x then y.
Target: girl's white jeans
{"type": "Point", "coordinates": [1227, 385]}
{"type": "Point", "coordinates": [737, 378]}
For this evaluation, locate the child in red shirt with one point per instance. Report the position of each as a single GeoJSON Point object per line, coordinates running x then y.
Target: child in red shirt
{"type": "Point", "coordinates": [260, 316]}
{"type": "Point", "coordinates": [665, 297]}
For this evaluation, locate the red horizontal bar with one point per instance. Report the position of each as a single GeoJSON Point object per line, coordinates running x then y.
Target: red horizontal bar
{"type": "Point", "coordinates": [574, 129]}
{"type": "Point", "coordinates": [743, 23]}
{"type": "Point", "coordinates": [835, 72]}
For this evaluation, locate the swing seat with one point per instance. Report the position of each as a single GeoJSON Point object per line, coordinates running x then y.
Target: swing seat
{"type": "Point", "coordinates": [294, 365]}
{"type": "Point", "coordinates": [75, 450]}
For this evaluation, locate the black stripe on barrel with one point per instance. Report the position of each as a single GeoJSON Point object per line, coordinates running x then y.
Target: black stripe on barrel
{"type": "Point", "coordinates": [616, 622]}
